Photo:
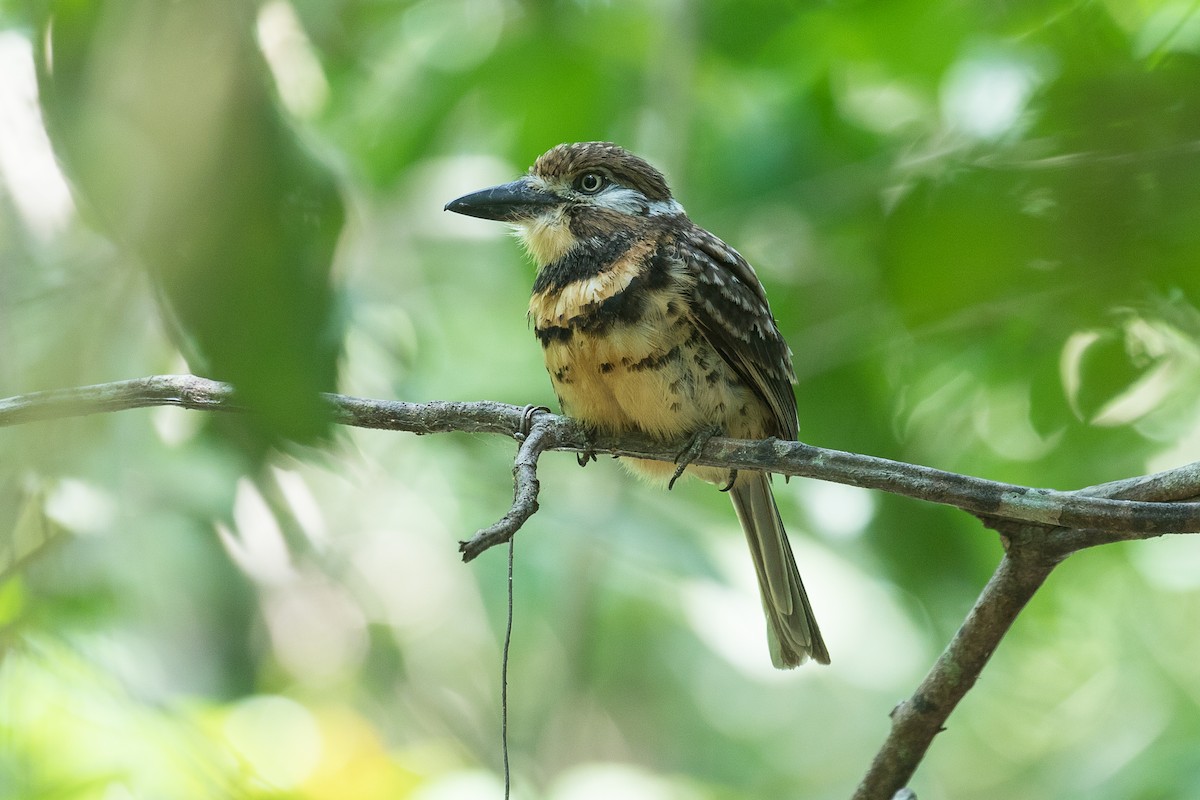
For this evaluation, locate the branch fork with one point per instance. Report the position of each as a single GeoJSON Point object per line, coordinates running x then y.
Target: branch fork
{"type": "Point", "coordinates": [535, 438]}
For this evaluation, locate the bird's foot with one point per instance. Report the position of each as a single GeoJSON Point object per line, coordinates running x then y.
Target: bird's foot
{"type": "Point", "coordinates": [527, 415]}
{"type": "Point", "coordinates": [587, 454]}
{"type": "Point", "coordinates": [691, 451]}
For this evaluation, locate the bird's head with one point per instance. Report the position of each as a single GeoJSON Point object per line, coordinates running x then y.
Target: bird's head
{"type": "Point", "coordinates": [574, 193]}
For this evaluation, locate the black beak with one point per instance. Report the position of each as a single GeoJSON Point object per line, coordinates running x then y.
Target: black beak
{"type": "Point", "coordinates": [506, 203]}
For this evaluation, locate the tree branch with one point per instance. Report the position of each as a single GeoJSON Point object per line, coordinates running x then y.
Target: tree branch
{"type": "Point", "coordinates": [1040, 527]}
{"type": "Point", "coordinates": [1031, 554]}
{"type": "Point", "coordinates": [918, 719]}
{"type": "Point", "coordinates": [1079, 510]}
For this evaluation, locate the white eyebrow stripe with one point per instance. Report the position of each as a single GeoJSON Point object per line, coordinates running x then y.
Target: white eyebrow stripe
{"type": "Point", "coordinates": [622, 199]}
{"type": "Point", "coordinates": [666, 208]}
{"type": "Point", "coordinates": [631, 201]}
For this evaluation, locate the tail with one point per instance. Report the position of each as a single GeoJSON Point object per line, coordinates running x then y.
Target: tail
{"type": "Point", "coordinates": [791, 628]}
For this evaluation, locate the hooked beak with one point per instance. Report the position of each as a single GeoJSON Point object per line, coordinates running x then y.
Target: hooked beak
{"type": "Point", "coordinates": [507, 202]}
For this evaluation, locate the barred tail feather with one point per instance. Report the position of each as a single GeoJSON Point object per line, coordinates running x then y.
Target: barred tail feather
{"type": "Point", "coordinates": [791, 627]}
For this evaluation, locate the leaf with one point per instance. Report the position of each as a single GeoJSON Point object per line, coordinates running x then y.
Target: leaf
{"type": "Point", "coordinates": [1104, 371]}
{"type": "Point", "coordinates": [164, 117]}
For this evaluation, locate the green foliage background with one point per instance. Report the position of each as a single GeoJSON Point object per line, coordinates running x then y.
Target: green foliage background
{"type": "Point", "coordinates": [977, 223]}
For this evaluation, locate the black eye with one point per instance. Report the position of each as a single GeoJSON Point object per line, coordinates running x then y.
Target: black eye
{"type": "Point", "coordinates": [590, 182]}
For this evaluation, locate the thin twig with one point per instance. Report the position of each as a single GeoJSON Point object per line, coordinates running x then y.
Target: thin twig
{"type": "Point", "coordinates": [525, 492]}
{"type": "Point", "coordinates": [185, 391]}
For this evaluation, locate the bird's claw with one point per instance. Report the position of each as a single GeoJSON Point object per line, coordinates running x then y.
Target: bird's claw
{"type": "Point", "coordinates": [588, 453]}
{"type": "Point", "coordinates": [691, 451]}
{"type": "Point", "coordinates": [527, 415]}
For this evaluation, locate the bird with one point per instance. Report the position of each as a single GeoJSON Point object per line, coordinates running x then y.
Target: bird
{"type": "Point", "coordinates": [648, 323]}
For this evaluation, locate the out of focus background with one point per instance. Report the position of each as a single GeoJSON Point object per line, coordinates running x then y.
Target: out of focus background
{"type": "Point", "coordinates": [979, 227]}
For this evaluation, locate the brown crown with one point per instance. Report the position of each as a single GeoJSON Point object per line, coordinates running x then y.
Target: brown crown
{"type": "Point", "coordinates": [569, 160]}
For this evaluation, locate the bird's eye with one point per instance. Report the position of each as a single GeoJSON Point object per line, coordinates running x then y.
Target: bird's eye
{"type": "Point", "coordinates": [590, 182]}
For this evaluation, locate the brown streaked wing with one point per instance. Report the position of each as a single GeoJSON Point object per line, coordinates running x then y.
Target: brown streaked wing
{"type": "Point", "coordinates": [730, 308]}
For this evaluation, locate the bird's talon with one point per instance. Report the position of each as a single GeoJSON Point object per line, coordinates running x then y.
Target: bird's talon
{"type": "Point", "coordinates": [678, 472]}
{"type": "Point", "coordinates": [588, 453]}
{"type": "Point", "coordinates": [729, 481]}
{"type": "Point", "coordinates": [527, 415]}
{"type": "Point", "coordinates": [691, 451]}
{"type": "Point", "coordinates": [695, 445]}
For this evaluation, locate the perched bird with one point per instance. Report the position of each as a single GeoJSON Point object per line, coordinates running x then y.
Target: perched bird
{"type": "Point", "coordinates": [649, 323]}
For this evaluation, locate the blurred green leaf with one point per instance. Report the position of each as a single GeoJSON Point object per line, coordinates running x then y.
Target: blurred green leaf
{"type": "Point", "coordinates": [1105, 371]}
{"type": "Point", "coordinates": [32, 533]}
{"type": "Point", "coordinates": [165, 117]}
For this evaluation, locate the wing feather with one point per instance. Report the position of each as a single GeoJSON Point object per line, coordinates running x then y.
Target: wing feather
{"type": "Point", "coordinates": [730, 308]}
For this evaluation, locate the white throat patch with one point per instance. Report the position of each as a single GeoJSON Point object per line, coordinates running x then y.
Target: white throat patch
{"type": "Point", "coordinates": [547, 237]}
